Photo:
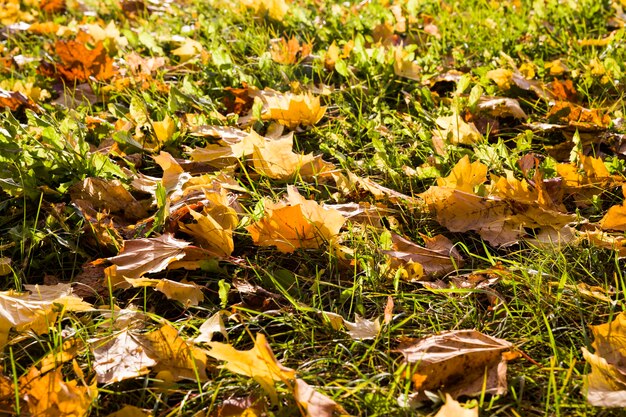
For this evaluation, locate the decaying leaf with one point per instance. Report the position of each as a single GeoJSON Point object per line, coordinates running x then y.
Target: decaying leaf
{"type": "Point", "coordinates": [108, 195]}
{"type": "Point", "coordinates": [5, 266]}
{"type": "Point", "coordinates": [275, 9]}
{"type": "Point", "coordinates": [437, 258]}
{"type": "Point", "coordinates": [37, 309]}
{"type": "Point", "coordinates": [314, 403]}
{"type": "Point", "coordinates": [129, 354]}
{"type": "Point", "coordinates": [456, 131]}
{"type": "Point", "coordinates": [295, 223]}
{"type": "Point", "coordinates": [258, 363]}
{"type": "Point", "coordinates": [143, 256]}
{"type": "Point", "coordinates": [50, 395]}
{"type": "Point", "coordinates": [605, 386]}
{"type": "Point", "coordinates": [615, 218]}
{"type": "Point", "coordinates": [452, 408]}
{"type": "Point", "coordinates": [462, 362]}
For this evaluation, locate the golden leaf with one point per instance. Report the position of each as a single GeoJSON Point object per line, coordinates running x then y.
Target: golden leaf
{"type": "Point", "coordinates": [465, 175]}
{"type": "Point", "coordinates": [188, 293]}
{"type": "Point", "coordinates": [258, 363]}
{"type": "Point", "coordinates": [296, 223]}
{"type": "Point", "coordinates": [37, 309]}
{"type": "Point", "coordinates": [314, 403]}
{"type": "Point", "coordinates": [288, 108]}
{"type": "Point", "coordinates": [605, 386]}
{"type": "Point", "coordinates": [49, 395]}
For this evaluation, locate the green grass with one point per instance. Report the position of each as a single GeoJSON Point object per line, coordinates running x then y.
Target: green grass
{"type": "Point", "coordinates": [377, 124]}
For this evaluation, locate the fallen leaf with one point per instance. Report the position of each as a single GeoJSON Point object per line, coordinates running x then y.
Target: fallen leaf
{"type": "Point", "coordinates": [576, 116]}
{"type": "Point", "coordinates": [258, 363]}
{"type": "Point", "coordinates": [49, 395]}
{"type": "Point", "coordinates": [78, 63]}
{"type": "Point", "coordinates": [187, 293]}
{"type": "Point", "coordinates": [275, 9]}
{"type": "Point", "coordinates": [37, 309]}
{"type": "Point", "coordinates": [289, 52]}
{"type": "Point", "coordinates": [452, 408]}
{"type": "Point", "coordinates": [465, 175]}
{"type": "Point", "coordinates": [438, 257]}
{"type": "Point", "coordinates": [213, 229]}
{"type": "Point", "coordinates": [314, 403]}
{"type": "Point", "coordinates": [615, 217]}
{"type": "Point", "coordinates": [5, 266]}
{"type": "Point", "coordinates": [177, 357]}
{"type": "Point", "coordinates": [108, 195]}
{"type": "Point", "coordinates": [605, 385]}
{"type": "Point", "coordinates": [121, 356]}
{"type": "Point", "coordinates": [362, 328]}
{"type": "Point", "coordinates": [144, 256]}
{"type": "Point", "coordinates": [465, 362]}
{"type": "Point", "coordinates": [289, 109]}
{"type": "Point", "coordinates": [501, 107]}
{"type": "Point", "coordinates": [295, 223]}
{"type": "Point", "coordinates": [212, 325]}
{"type": "Point", "coordinates": [276, 160]}
{"type": "Point", "coordinates": [14, 100]}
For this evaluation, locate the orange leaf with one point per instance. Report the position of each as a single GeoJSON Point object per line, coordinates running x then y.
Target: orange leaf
{"type": "Point", "coordinates": [79, 63]}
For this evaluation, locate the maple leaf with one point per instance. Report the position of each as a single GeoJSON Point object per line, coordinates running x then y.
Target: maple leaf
{"type": "Point", "coordinates": [49, 395]}
{"type": "Point", "coordinates": [108, 195]}
{"type": "Point", "coordinates": [605, 386]}
{"type": "Point", "coordinates": [143, 256]}
{"type": "Point", "coordinates": [120, 357]}
{"type": "Point", "coordinates": [187, 293]}
{"type": "Point", "coordinates": [14, 100]}
{"type": "Point", "coordinates": [276, 160]}
{"type": "Point", "coordinates": [287, 108]}
{"type": "Point", "coordinates": [578, 117]}
{"type": "Point", "coordinates": [465, 362]}
{"type": "Point", "coordinates": [314, 403]}
{"type": "Point", "coordinates": [289, 52]}
{"type": "Point", "coordinates": [615, 217]}
{"type": "Point", "coordinates": [296, 223]}
{"type": "Point", "coordinates": [362, 328]}
{"type": "Point", "coordinates": [452, 408]}
{"type": "Point", "coordinates": [129, 354]}
{"type": "Point", "coordinates": [78, 63]}
{"type": "Point", "coordinates": [437, 258]}
{"type": "Point", "coordinates": [36, 309]}
{"type": "Point", "coordinates": [212, 325]}
{"type": "Point", "coordinates": [276, 9]}
{"type": "Point", "coordinates": [258, 363]}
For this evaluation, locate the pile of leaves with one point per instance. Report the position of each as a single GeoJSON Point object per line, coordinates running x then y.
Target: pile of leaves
{"type": "Point", "coordinates": [197, 199]}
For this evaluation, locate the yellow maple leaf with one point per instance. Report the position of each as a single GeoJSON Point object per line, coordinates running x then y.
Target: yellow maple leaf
{"type": "Point", "coordinates": [276, 9]}
{"type": "Point", "coordinates": [288, 108]}
{"type": "Point", "coordinates": [164, 130]}
{"type": "Point", "coordinates": [606, 384]}
{"type": "Point", "coordinates": [502, 77]}
{"type": "Point", "coordinates": [49, 395]}
{"type": "Point", "coordinates": [258, 363]}
{"type": "Point", "coordinates": [188, 293]}
{"type": "Point", "coordinates": [465, 175]}
{"type": "Point", "coordinates": [295, 223]}
{"type": "Point", "coordinates": [276, 160]}
{"type": "Point", "coordinates": [177, 358]}
{"type": "Point", "coordinates": [37, 309]}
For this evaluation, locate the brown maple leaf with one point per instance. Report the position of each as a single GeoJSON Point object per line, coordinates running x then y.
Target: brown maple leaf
{"type": "Point", "coordinates": [79, 63]}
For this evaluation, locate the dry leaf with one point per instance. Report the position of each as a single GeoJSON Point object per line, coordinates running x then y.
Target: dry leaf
{"type": "Point", "coordinates": [289, 52]}
{"type": "Point", "coordinates": [276, 160]}
{"type": "Point", "coordinates": [615, 218]}
{"type": "Point", "coordinates": [314, 403]}
{"type": "Point", "coordinates": [213, 233]}
{"type": "Point", "coordinates": [438, 257]}
{"type": "Point", "coordinates": [458, 360]}
{"type": "Point", "coordinates": [49, 395]}
{"type": "Point", "coordinates": [174, 356]}
{"type": "Point", "coordinates": [465, 175]}
{"type": "Point", "coordinates": [108, 195]}
{"type": "Point", "coordinates": [288, 108]}
{"type": "Point", "coordinates": [579, 117]}
{"type": "Point", "coordinates": [502, 107]}
{"type": "Point", "coordinates": [362, 328]}
{"type": "Point", "coordinates": [452, 408]}
{"type": "Point", "coordinates": [212, 325]}
{"type": "Point", "coordinates": [78, 63]}
{"type": "Point", "coordinates": [14, 100]}
{"type": "Point", "coordinates": [275, 9]}
{"type": "Point", "coordinates": [453, 129]}
{"type": "Point", "coordinates": [144, 256]}
{"type": "Point", "coordinates": [296, 223]}
{"type": "Point", "coordinates": [122, 356]}
{"type": "Point", "coordinates": [5, 266]}
{"type": "Point", "coordinates": [187, 293]}
{"type": "Point", "coordinates": [258, 363]}
{"type": "Point", "coordinates": [37, 309]}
